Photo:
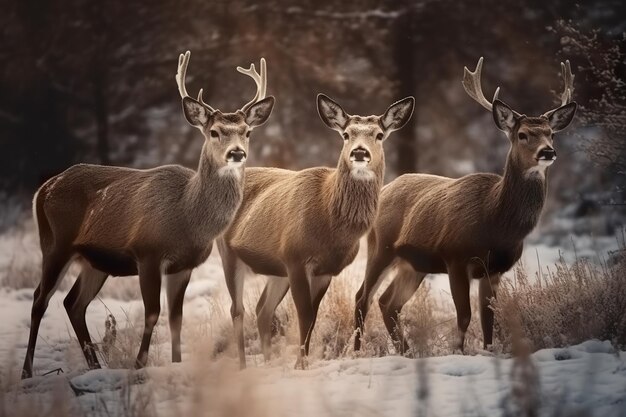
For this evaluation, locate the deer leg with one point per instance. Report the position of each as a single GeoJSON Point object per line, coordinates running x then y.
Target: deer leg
{"type": "Point", "coordinates": [301, 293]}
{"type": "Point", "coordinates": [460, 288]}
{"type": "Point", "coordinates": [176, 284]}
{"type": "Point", "coordinates": [276, 324]}
{"type": "Point", "coordinates": [378, 266]}
{"type": "Point", "coordinates": [53, 268]}
{"type": "Point", "coordinates": [84, 290]}
{"type": "Point", "coordinates": [486, 291]}
{"type": "Point", "coordinates": [273, 293]}
{"type": "Point", "coordinates": [401, 289]}
{"type": "Point", "coordinates": [318, 285]}
{"type": "Point", "coordinates": [234, 273]}
{"type": "Point", "coordinates": [150, 285]}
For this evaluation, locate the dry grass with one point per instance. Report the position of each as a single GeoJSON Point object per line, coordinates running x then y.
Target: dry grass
{"type": "Point", "coordinates": [572, 304]}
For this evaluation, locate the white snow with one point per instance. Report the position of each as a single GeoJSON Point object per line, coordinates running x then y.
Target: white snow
{"type": "Point", "coordinates": [590, 377]}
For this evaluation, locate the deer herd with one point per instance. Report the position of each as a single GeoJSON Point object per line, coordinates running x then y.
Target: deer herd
{"type": "Point", "coordinates": [299, 228]}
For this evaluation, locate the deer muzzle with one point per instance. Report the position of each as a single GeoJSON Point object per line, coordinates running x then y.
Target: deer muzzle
{"type": "Point", "coordinates": [546, 156]}
{"type": "Point", "coordinates": [360, 155]}
{"type": "Point", "coordinates": [236, 155]}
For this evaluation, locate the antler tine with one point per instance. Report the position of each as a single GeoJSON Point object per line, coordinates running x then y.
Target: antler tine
{"type": "Point", "coordinates": [568, 80]}
{"type": "Point", "coordinates": [472, 85]}
{"type": "Point", "coordinates": [260, 81]}
{"type": "Point", "coordinates": [211, 109]}
{"type": "Point", "coordinates": [181, 74]}
{"type": "Point", "coordinates": [263, 79]}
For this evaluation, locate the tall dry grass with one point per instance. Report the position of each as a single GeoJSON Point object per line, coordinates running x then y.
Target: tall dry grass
{"type": "Point", "coordinates": [569, 305]}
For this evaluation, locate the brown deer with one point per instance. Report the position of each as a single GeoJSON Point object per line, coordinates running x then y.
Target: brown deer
{"type": "Point", "coordinates": [470, 227]}
{"type": "Point", "coordinates": [161, 221]}
{"type": "Point", "coordinates": [306, 225]}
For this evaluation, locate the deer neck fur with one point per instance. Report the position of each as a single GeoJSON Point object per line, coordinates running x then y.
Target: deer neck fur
{"type": "Point", "coordinates": [518, 201]}
{"type": "Point", "coordinates": [212, 198]}
{"type": "Point", "coordinates": [353, 201]}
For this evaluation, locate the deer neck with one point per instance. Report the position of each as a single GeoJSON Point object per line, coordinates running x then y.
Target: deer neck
{"type": "Point", "coordinates": [519, 200]}
{"type": "Point", "coordinates": [211, 198]}
{"type": "Point", "coordinates": [354, 201]}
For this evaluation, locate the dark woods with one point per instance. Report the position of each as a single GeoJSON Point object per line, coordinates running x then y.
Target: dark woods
{"type": "Point", "coordinates": [93, 81]}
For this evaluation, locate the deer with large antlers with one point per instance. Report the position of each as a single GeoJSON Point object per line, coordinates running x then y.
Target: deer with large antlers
{"type": "Point", "coordinates": [471, 227]}
{"type": "Point", "coordinates": [161, 221]}
{"type": "Point", "coordinates": [301, 228]}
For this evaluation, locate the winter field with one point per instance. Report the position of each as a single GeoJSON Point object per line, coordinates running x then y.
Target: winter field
{"type": "Point", "coordinates": [575, 373]}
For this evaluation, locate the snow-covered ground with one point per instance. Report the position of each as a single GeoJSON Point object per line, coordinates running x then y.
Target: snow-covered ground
{"type": "Point", "coordinates": [590, 376]}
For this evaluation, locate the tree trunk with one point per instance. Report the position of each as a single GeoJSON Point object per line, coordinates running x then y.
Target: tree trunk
{"type": "Point", "coordinates": [101, 113]}
{"type": "Point", "coordinates": [404, 58]}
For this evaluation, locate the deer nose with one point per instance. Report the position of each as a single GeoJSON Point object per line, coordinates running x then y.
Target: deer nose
{"type": "Point", "coordinates": [548, 154]}
{"type": "Point", "coordinates": [360, 154]}
{"type": "Point", "coordinates": [236, 155]}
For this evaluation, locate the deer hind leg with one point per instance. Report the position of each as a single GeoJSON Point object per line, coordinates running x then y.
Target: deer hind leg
{"type": "Point", "coordinates": [176, 285]}
{"type": "Point", "coordinates": [276, 324]}
{"type": "Point", "coordinates": [486, 291]}
{"type": "Point", "coordinates": [273, 293]}
{"type": "Point", "coordinates": [150, 285]}
{"type": "Point", "coordinates": [378, 267]}
{"type": "Point", "coordinates": [53, 268]}
{"type": "Point", "coordinates": [401, 289]}
{"type": "Point", "coordinates": [84, 290]}
{"type": "Point", "coordinates": [460, 288]}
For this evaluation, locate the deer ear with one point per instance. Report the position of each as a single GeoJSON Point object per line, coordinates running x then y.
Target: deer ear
{"type": "Point", "coordinates": [560, 118]}
{"type": "Point", "coordinates": [260, 111]}
{"type": "Point", "coordinates": [398, 114]}
{"type": "Point", "coordinates": [196, 114]}
{"type": "Point", "coordinates": [504, 116]}
{"type": "Point", "coordinates": [331, 113]}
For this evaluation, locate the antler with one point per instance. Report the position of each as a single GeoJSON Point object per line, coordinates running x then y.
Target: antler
{"type": "Point", "coordinates": [471, 83]}
{"type": "Point", "coordinates": [181, 73]}
{"type": "Point", "coordinates": [568, 80]}
{"type": "Point", "coordinates": [259, 79]}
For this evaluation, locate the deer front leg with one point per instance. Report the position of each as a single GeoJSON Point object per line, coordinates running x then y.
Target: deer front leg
{"type": "Point", "coordinates": [486, 291]}
{"type": "Point", "coordinates": [460, 288]}
{"type": "Point", "coordinates": [150, 285]}
{"type": "Point", "coordinates": [176, 286]}
{"type": "Point", "coordinates": [301, 293]}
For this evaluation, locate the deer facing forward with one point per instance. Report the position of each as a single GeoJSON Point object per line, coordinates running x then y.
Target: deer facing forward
{"type": "Point", "coordinates": [301, 228]}
{"type": "Point", "coordinates": [161, 221]}
{"type": "Point", "coordinates": [471, 227]}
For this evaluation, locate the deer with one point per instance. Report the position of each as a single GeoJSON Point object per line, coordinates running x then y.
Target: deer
{"type": "Point", "coordinates": [301, 228]}
{"type": "Point", "coordinates": [472, 227]}
{"type": "Point", "coordinates": [148, 222]}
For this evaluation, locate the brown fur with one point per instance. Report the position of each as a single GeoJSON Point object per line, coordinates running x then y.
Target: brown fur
{"type": "Point", "coordinates": [304, 227]}
{"type": "Point", "coordinates": [471, 227]}
{"type": "Point", "coordinates": [121, 221]}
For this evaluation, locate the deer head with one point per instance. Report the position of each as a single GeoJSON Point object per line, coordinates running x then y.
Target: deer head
{"type": "Point", "coordinates": [531, 137]}
{"type": "Point", "coordinates": [226, 134]}
{"type": "Point", "coordinates": [363, 136]}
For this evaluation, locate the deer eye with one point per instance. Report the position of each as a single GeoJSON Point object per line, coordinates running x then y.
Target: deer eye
{"type": "Point", "coordinates": [248, 134]}
{"type": "Point", "coordinates": [379, 136]}
{"type": "Point", "coordinates": [214, 134]}
{"type": "Point", "coordinates": [522, 136]}
{"type": "Point", "coordinates": [345, 136]}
